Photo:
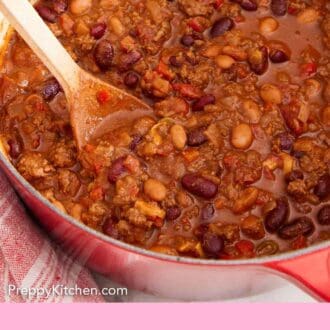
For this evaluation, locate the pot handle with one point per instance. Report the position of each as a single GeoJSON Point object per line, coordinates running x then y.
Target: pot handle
{"type": "Point", "coordinates": [310, 272]}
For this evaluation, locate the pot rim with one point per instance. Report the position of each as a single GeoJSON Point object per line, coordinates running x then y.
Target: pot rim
{"type": "Point", "coordinates": [155, 255]}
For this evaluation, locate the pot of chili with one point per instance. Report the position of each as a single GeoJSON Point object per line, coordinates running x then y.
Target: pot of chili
{"type": "Point", "coordinates": [226, 188]}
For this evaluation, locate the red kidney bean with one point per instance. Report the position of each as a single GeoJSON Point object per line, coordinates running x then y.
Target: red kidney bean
{"type": "Point", "coordinates": [15, 147]}
{"type": "Point", "coordinates": [126, 61]}
{"type": "Point", "coordinates": [50, 89]}
{"type": "Point", "coordinates": [276, 217]}
{"type": "Point", "coordinates": [202, 102]}
{"type": "Point", "coordinates": [60, 6]}
{"type": "Point", "coordinates": [109, 227]}
{"type": "Point", "coordinates": [199, 186]}
{"type": "Point", "coordinates": [47, 13]}
{"type": "Point", "coordinates": [249, 5]}
{"type": "Point", "coordinates": [294, 175]}
{"type": "Point", "coordinates": [278, 56]}
{"type": "Point", "coordinates": [207, 212]}
{"type": "Point", "coordinates": [187, 40]}
{"type": "Point", "coordinates": [322, 188]}
{"type": "Point", "coordinates": [258, 60]}
{"type": "Point", "coordinates": [299, 226]}
{"type": "Point", "coordinates": [103, 54]}
{"type": "Point", "coordinates": [285, 140]}
{"type": "Point", "coordinates": [135, 142]}
{"type": "Point", "coordinates": [98, 30]}
{"type": "Point", "coordinates": [173, 212]}
{"type": "Point", "coordinates": [221, 26]}
{"type": "Point", "coordinates": [116, 169]}
{"type": "Point", "coordinates": [196, 137]}
{"type": "Point", "coordinates": [173, 60]}
{"type": "Point", "coordinates": [323, 216]}
{"type": "Point", "coordinates": [212, 244]}
{"type": "Point", "coordinates": [278, 7]}
{"type": "Point", "coordinates": [131, 79]}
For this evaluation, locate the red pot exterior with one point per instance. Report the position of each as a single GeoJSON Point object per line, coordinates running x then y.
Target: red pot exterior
{"type": "Point", "coordinates": [166, 277]}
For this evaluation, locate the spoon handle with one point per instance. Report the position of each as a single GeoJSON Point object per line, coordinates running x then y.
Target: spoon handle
{"type": "Point", "coordinates": [26, 21]}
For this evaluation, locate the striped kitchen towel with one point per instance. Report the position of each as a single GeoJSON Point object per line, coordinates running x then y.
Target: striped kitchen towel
{"type": "Point", "coordinates": [32, 268]}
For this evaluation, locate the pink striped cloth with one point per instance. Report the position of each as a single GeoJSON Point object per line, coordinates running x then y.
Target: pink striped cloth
{"type": "Point", "coordinates": [29, 260]}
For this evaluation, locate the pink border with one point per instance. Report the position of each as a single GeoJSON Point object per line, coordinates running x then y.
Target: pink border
{"type": "Point", "coordinates": [164, 316]}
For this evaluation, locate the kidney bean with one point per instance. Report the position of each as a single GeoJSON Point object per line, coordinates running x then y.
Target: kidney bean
{"type": "Point", "coordinates": [278, 56]}
{"type": "Point", "coordinates": [258, 60]}
{"type": "Point", "coordinates": [249, 5]}
{"type": "Point", "coordinates": [322, 189]}
{"type": "Point", "coordinates": [323, 216]}
{"type": "Point", "coordinates": [285, 140]}
{"type": "Point", "coordinates": [221, 26]}
{"type": "Point", "coordinates": [47, 13]}
{"type": "Point", "coordinates": [15, 147]}
{"type": "Point", "coordinates": [199, 186]}
{"type": "Point", "coordinates": [116, 169]}
{"type": "Point", "coordinates": [202, 102]}
{"type": "Point", "coordinates": [131, 79]}
{"type": "Point", "coordinates": [136, 139]}
{"type": "Point", "coordinates": [128, 60]}
{"type": "Point", "coordinates": [98, 30]}
{"type": "Point", "coordinates": [50, 89]}
{"type": "Point", "coordinates": [187, 40]}
{"type": "Point", "coordinates": [103, 54]}
{"type": "Point", "coordinates": [278, 7]}
{"type": "Point", "coordinates": [109, 227]}
{"type": "Point", "coordinates": [173, 60]}
{"type": "Point", "coordinates": [267, 248]}
{"type": "Point", "coordinates": [294, 175]}
{"type": "Point", "coordinates": [300, 226]}
{"type": "Point", "coordinates": [60, 6]}
{"type": "Point", "coordinates": [212, 244]}
{"type": "Point", "coordinates": [276, 217]}
{"type": "Point", "coordinates": [173, 212]}
{"type": "Point", "coordinates": [196, 137]}
{"type": "Point", "coordinates": [207, 212]}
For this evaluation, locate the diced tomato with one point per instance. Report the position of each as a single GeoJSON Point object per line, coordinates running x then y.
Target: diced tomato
{"type": "Point", "coordinates": [97, 194]}
{"type": "Point", "coordinates": [269, 174]}
{"type": "Point", "coordinates": [218, 3]}
{"type": "Point", "coordinates": [103, 96]}
{"type": "Point", "coordinates": [89, 148]}
{"type": "Point", "coordinates": [188, 91]}
{"type": "Point", "coordinates": [165, 71]}
{"type": "Point", "coordinates": [299, 243]}
{"type": "Point", "coordinates": [292, 10]}
{"type": "Point", "coordinates": [97, 167]}
{"type": "Point", "coordinates": [308, 69]}
{"type": "Point", "coordinates": [246, 248]}
{"type": "Point", "coordinates": [195, 25]}
{"type": "Point", "coordinates": [158, 222]}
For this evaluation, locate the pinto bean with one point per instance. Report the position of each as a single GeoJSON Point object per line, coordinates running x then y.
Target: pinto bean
{"type": "Point", "coordinates": [221, 26]}
{"type": "Point", "coordinates": [278, 7]}
{"type": "Point", "coordinates": [323, 216]}
{"type": "Point", "coordinates": [308, 15]}
{"type": "Point", "coordinates": [103, 54]}
{"type": "Point", "coordinates": [268, 25]}
{"type": "Point", "coordinates": [80, 7]}
{"type": "Point", "coordinates": [271, 94]}
{"type": "Point", "coordinates": [267, 248]}
{"type": "Point", "coordinates": [179, 136]}
{"type": "Point", "coordinates": [253, 227]}
{"type": "Point", "coordinates": [300, 226]}
{"type": "Point", "coordinates": [199, 185]}
{"type": "Point", "coordinates": [276, 217]}
{"type": "Point", "coordinates": [224, 61]}
{"type": "Point", "coordinates": [155, 190]}
{"type": "Point", "coordinates": [241, 136]}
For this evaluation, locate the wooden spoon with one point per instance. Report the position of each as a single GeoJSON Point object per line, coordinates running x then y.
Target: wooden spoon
{"type": "Point", "coordinates": [95, 107]}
